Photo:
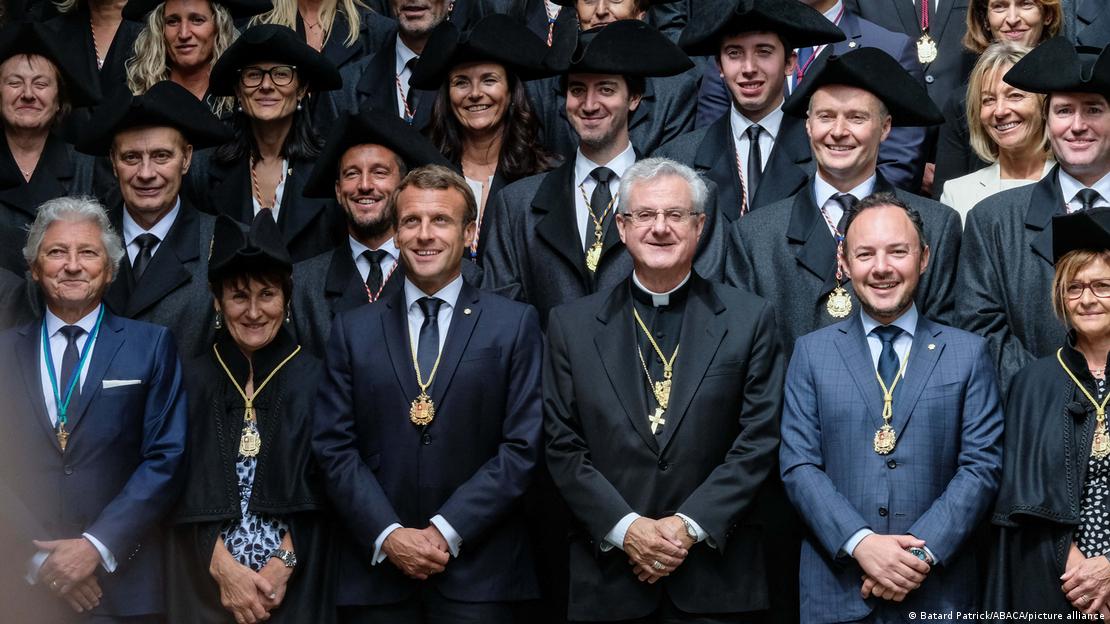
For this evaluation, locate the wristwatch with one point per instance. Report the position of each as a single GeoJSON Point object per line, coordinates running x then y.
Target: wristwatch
{"type": "Point", "coordinates": [690, 531]}
{"type": "Point", "coordinates": [288, 557]}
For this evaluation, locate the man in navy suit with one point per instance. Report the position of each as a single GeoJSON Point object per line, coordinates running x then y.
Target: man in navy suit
{"type": "Point", "coordinates": [91, 438]}
{"type": "Point", "coordinates": [429, 427]}
{"type": "Point", "coordinates": [891, 439]}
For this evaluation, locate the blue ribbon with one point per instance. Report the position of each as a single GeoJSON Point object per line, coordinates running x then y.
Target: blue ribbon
{"type": "Point", "coordinates": [61, 405]}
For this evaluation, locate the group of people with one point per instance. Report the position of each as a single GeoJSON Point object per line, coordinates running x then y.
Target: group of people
{"type": "Point", "coordinates": [646, 311]}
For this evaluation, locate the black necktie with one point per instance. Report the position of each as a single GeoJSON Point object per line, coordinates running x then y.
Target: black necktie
{"type": "Point", "coordinates": [411, 97]}
{"type": "Point", "coordinates": [374, 277]}
{"type": "Point", "coordinates": [755, 160]}
{"type": "Point", "coordinates": [888, 359]}
{"type": "Point", "coordinates": [427, 351]}
{"type": "Point", "coordinates": [601, 197]}
{"type": "Point", "coordinates": [146, 244]}
{"type": "Point", "coordinates": [70, 358]}
{"type": "Point", "coordinates": [1088, 197]}
{"type": "Point", "coordinates": [845, 201]}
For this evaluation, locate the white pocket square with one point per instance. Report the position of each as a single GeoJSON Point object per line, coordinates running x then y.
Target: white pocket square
{"type": "Point", "coordinates": [115, 383]}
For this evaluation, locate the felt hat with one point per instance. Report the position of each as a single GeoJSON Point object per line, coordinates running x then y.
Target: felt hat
{"type": "Point", "coordinates": [1086, 229]}
{"type": "Point", "coordinates": [236, 247]}
{"type": "Point", "coordinates": [799, 25]}
{"type": "Point", "coordinates": [625, 47]}
{"type": "Point", "coordinates": [497, 38]}
{"type": "Point", "coordinates": [1057, 66]}
{"type": "Point", "coordinates": [270, 43]}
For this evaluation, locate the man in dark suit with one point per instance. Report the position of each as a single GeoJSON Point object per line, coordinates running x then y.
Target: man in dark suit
{"type": "Point", "coordinates": [1006, 264]}
{"type": "Point", "coordinates": [93, 434]}
{"type": "Point", "coordinates": [551, 237]}
{"type": "Point", "coordinates": [659, 452]}
{"type": "Point", "coordinates": [752, 46]}
{"type": "Point", "coordinates": [1092, 23]}
{"type": "Point", "coordinates": [381, 80]}
{"type": "Point", "coordinates": [429, 428]}
{"type": "Point", "coordinates": [787, 252]}
{"type": "Point", "coordinates": [891, 439]}
{"type": "Point", "coordinates": [367, 155]}
{"type": "Point", "coordinates": [149, 140]}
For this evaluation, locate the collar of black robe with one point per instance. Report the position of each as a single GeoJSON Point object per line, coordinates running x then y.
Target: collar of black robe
{"type": "Point", "coordinates": [263, 360]}
{"type": "Point", "coordinates": [1077, 362]}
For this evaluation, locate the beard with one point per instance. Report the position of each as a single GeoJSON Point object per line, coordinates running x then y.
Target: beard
{"type": "Point", "coordinates": [372, 228]}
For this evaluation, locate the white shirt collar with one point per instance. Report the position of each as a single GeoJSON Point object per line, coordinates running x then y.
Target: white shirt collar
{"type": "Point", "coordinates": [131, 229]}
{"type": "Point", "coordinates": [1069, 186]}
{"type": "Point", "coordinates": [389, 247]}
{"type": "Point", "coordinates": [87, 322]}
{"type": "Point", "coordinates": [404, 53]}
{"type": "Point", "coordinates": [907, 322]}
{"type": "Point", "coordinates": [834, 11]}
{"type": "Point", "coordinates": [449, 293]}
{"type": "Point", "coordinates": [822, 190]}
{"type": "Point", "coordinates": [584, 166]}
{"type": "Point", "coordinates": [770, 124]}
{"type": "Point", "coordinates": [658, 299]}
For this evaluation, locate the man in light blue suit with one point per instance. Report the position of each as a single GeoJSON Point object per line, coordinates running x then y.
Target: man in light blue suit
{"type": "Point", "coordinates": [891, 439]}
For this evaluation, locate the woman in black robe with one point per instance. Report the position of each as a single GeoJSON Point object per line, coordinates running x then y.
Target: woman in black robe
{"type": "Point", "coordinates": [1052, 516]}
{"type": "Point", "coordinates": [250, 535]}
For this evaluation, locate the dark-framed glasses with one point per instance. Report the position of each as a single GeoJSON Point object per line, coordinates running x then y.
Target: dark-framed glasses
{"type": "Point", "coordinates": [1099, 288]}
{"type": "Point", "coordinates": [280, 75]}
{"type": "Point", "coordinates": [645, 218]}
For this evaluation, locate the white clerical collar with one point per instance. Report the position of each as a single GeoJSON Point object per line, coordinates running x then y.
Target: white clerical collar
{"type": "Point", "coordinates": [1069, 186]}
{"type": "Point", "coordinates": [131, 229]}
{"type": "Point", "coordinates": [907, 322]}
{"type": "Point", "coordinates": [389, 247]}
{"type": "Point", "coordinates": [87, 322]}
{"type": "Point", "coordinates": [659, 299]}
{"type": "Point", "coordinates": [770, 124]}
{"type": "Point", "coordinates": [449, 294]}
{"type": "Point", "coordinates": [584, 166]}
{"type": "Point", "coordinates": [822, 190]}
{"type": "Point", "coordinates": [403, 54]}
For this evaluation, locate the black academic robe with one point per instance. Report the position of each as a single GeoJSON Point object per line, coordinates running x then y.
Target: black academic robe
{"type": "Point", "coordinates": [1038, 506]}
{"type": "Point", "coordinates": [287, 483]}
{"type": "Point", "coordinates": [372, 83]}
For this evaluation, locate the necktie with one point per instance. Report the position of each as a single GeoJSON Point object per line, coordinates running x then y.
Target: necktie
{"type": "Point", "coordinates": [374, 277]}
{"type": "Point", "coordinates": [1088, 197]}
{"type": "Point", "coordinates": [408, 93]}
{"type": "Point", "coordinates": [601, 196]}
{"type": "Point", "coordinates": [888, 359]}
{"type": "Point", "coordinates": [755, 160]}
{"type": "Point", "coordinates": [845, 201]}
{"type": "Point", "coordinates": [427, 351]}
{"type": "Point", "coordinates": [146, 244]}
{"type": "Point", "coordinates": [70, 358]}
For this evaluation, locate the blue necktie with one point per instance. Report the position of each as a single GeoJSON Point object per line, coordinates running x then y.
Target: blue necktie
{"type": "Point", "coordinates": [70, 358]}
{"type": "Point", "coordinates": [427, 350]}
{"type": "Point", "coordinates": [888, 359]}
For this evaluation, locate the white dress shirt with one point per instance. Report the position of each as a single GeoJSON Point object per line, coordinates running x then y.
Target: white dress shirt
{"type": "Point", "coordinates": [132, 230]}
{"type": "Point", "coordinates": [823, 193]}
{"type": "Point", "coordinates": [389, 260]}
{"type": "Point", "coordinates": [584, 182]}
{"type": "Point", "coordinates": [403, 54]}
{"type": "Point", "coordinates": [449, 294]}
{"type": "Point", "coordinates": [1070, 187]}
{"type": "Point", "coordinates": [739, 124]}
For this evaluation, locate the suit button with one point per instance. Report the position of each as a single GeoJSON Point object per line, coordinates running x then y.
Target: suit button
{"type": "Point", "coordinates": [663, 465]}
{"type": "Point", "coordinates": [68, 470]}
{"type": "Point", "coordinates": [426, 439]}
{"type": "Point", "coordinates": [929, 79]}
{"type": "Point", "coordinates": [882, 511]}
{"type": "Point", "coordinates": [890, 463]}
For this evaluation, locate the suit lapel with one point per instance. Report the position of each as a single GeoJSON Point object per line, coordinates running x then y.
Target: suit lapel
{"type": "Point", "coordinates": [642, 114]}
{"type": "Point", "coordinates": [336, 49]}
{"type": "Point", "coordinates": [817, 250]}
{"type": "Point", "coordinates": [166, 271]}
{"type": "Point", "coordinates": [231, 191]}
{"type": "Point", "coordinates": [108, 342]}
{"type": "Point", "coordinates": [1045, 202]}
{"type": "Point", "coordinates": [558, 225]}
{"type": "Point", "coordinates": [852, 345]}
{"type": "Point", "coordinates": [926, 350]}
{"type": "Point", "coordinates": [297, 212]}
{"type": "Point", "coordinates": [940, 20]}
{"type": "Point", "coordinates": [616, 346]}
{"type": "Point", "coordinates": [379, 80]}
{"type": "Point", "coordinates": [784, 174]}
{"type": "Point", "coordinates": [716, 159]}
{"type": "Point", "coordinates": [907, 13]}
{"type": "Point", "coordinates": [343, 288]}
{"type": "Point", "coordinates": [703, 331]}
{"type": "Point", "coordinates": [458, 336]}
{"type": "Point", "coordinates": [29, 349]}
{"type": "Point", "coordinates": [395, 328]}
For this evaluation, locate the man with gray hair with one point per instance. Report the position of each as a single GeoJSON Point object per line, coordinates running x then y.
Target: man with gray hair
{"type": "Point", "coordinates": [661, 409]}
{"type": "Point", "coordinates": [91, 437]}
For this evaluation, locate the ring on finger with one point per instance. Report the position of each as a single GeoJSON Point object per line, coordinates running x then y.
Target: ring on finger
{"type": "Point", "coordinates": [54, 584]}
{"type": "Point", "coordinates": [655, 565]}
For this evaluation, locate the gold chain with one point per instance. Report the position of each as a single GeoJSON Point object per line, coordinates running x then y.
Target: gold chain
{"type": "Point", "coordinates": [888, 393]}
{"type": "Point", "coordinates": [662, 396]}
{"type": "Point", "coordinates": [416, 365]}
{"type": "Point", "coordinates": [1099, 450]}
{"type": "Point", "coordinates": [599, 229]}
{"type": "Point", "coordinates": [249, 401]}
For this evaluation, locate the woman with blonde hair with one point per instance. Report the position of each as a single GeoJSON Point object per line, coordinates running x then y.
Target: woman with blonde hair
{"type": "Point", "coordinates": [343, 31]}
{"type": "Point", "coordinates": [181, 40]}
{"type": "Point", "coordinates": [1007, 129]}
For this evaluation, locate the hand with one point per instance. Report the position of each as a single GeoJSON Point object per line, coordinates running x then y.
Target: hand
{"type": "Point", "coordinates": [414, 554]}
{"type": "Point", "coordinates": [676, 528]}
{"type": "Point", "coordinates": [85, 595]}
{"type": "Point", "coordinates": [278, 576]}
{"type": "Point", "coordinates": [436, 538]}
{"type": "Point", "coordinates": [871, 587]}
{"type": "Point", "coordinates": [70, 562]}
{"type": "Point", "coordinates": [884, 558]}
{"type": "Point", "coordinates": [241, 589]}
{"type": "Point", "coordinates": [645, 543]}
{"type": "Point", "coordinates": [1087, 585]}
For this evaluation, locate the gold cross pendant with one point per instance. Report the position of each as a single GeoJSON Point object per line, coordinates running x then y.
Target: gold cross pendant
{"type": "Point", "coordinates": [656, 419]}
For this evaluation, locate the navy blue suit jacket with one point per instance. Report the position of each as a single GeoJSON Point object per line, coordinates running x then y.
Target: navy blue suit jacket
{"type": "Point", "coordinates": [120, 471]}
{"type": "Point", "coordinates": [471, 464]}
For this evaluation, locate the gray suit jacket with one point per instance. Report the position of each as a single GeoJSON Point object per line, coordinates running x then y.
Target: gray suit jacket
{"type": "Point", "coordinates": [1005, 276]}
{"type": "Point", "coordinates": [785, 254]}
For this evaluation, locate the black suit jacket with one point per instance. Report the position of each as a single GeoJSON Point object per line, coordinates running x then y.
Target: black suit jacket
{"type": "Point", "coordinates": [1092, 23]}
{"type": "Point", "coordinates": [372, 83]}
{"type": "Point", "coordinates": [471, 464]}
{"type": "Point", "coordinates": [711, 458]}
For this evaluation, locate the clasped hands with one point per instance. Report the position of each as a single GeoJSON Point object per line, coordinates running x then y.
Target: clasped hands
{"type": "Point", "coordinates": [68, 572]}
{"type": "Point", "coordinates": [663, 541]}
{"type": "Point", "coordinates": [1086, 583]}
{"type": "Point", "coordinates": [417, 553]}
{"type": "Point", "coordinates": [890, 570]}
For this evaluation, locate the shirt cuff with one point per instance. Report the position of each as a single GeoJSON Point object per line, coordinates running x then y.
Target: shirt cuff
{"type": "Point", "coordinates": [379, 556]}
{"type": "Point", "coordinates": [615, 537]}
{"type": "Point", "coordinates": [849, 547]}
{"type": "Point", "coordinates": [454, 540]}
{"type": "Point", "coordinates": [106, 558]}
{"type": "Point", "coordinates": [34, 564]}
{"type": "Point", "coordinates": [702, 535]}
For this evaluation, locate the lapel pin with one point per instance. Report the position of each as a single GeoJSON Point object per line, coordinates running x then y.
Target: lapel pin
{"type": "Point", "coordinates": [851, 44]}
{"type": "Point", "coordinates": [932, 346]}
{"type": "Point", "coordinates": [466, 311]}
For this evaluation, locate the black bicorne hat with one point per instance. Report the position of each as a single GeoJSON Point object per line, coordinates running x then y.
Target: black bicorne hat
{"type": "Point", "coordinates": [270, 43]}
{"type": "Point", "coordinates": [237, 248]}
{"type": "Point", "coordinates": [874, 71]}
{"type": "Point", "coordinates": [625, 47]}
{"type": "Point", "coordinates": [1087, 229]}
{"type": "Point", "coordinates": [1057, 66]}
{"type": "Point", "coordinates": [796, 23]}
{"type": "Point", "coordinates": [82, 87]}
{"type": "Point", "coordinates": [496, 39]}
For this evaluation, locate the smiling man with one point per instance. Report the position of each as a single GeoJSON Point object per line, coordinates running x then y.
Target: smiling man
{"type": "Point", "coordinates": [1006, 263]}
{"type": "Point", "coordinates": [428, 429]}
{"type": "Point", "coordinates": [891, 476]}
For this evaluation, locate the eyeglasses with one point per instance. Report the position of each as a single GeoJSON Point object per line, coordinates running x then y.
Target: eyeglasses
{"type": "Point", "coordinates": [280, 75]}
{"type": "Point", "coordinates": [1099, 288]}
{"type": "Point", "coordinates": [645, 218]}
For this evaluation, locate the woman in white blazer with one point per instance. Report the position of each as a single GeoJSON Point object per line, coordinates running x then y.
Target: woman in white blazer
{"type": "Point", "coordinates": [1007, 129]}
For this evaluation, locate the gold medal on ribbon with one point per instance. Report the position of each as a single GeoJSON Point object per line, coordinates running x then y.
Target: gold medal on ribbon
{"type": "Point", "coordinates": [885, 439]}
{"type": "Point", "coordinates": [422, 410]}
{"type": "Point", "coordinates": [593, 256]}
{"type": "Point", "coordinates": [593, 253]}
{"type": "Point", "coordinates": [839, 304]}
{"type": "Point", "coordinates": [661, 390]}
{"type": "Point", "coordinates": [926, 49]}
{"type": "Point", "coordinates": [1100, 442]}
{"type": "Point", "coordinates": [63, 436]}
{"type": "Point", "coordinates": [250, 442]}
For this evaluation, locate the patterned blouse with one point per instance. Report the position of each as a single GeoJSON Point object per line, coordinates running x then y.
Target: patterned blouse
{"type": "Point", "coordinates": [252, 537]}
{"type": "Point", "coordinates": [1093, 535]}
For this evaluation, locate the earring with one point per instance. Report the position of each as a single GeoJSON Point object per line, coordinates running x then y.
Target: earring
{"type": "Point", "coordinates": [219, 321]}
{"type": "Point", "coordinates": [288, 315]}
{"type": "Point", "coordinates": [238, 106]}
{"type": "Point", "coordinates": [299, 106]}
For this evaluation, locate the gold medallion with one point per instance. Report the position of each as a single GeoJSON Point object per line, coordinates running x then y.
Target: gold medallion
{"type": "Point", "coordinates": [656, 419]}
{"type": "Point", "coordinates": [1100, 444]}
{"type": "Point", "coordinates": [63, 436]}
{"type": "Point", "coordinates": [422, 410]}
{"type": "Point", "coordinates": [926, 49]}
{"type": "Point", "coordinates": [593, 256]}
{"type": "Point", "coordinates": [839, 304]}
{"type": "Point", "coordinates": [250, 442]}
{"type": "Point", "coordinates": [885, 440]}
{"type": "Point", "coordinates": [663, 392]}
